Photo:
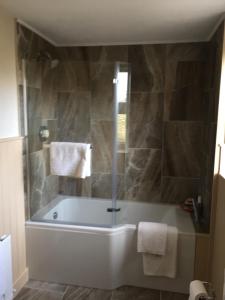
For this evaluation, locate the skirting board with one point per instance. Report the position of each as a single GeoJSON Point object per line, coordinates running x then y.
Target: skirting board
{"type": "Point", "coordinates": [21, 281]}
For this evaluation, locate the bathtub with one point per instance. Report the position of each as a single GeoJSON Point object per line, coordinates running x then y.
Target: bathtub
{"type": "Point", "coordinates": [61, 249]}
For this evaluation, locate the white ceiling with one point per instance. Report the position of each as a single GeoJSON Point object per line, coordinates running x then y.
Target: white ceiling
{"type": "Point", "coordinates": [96, 22]}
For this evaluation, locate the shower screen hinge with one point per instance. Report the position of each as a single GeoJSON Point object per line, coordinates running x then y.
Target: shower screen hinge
{"type": "Point", "coordinates": [115, 80]}
{"type": "Point", "coordinates": [111, 209]}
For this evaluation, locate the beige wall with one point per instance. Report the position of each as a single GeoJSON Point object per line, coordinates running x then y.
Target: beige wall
{"type": "Point", "coordinates": [218, 217]}
{"type": "Point", "coordinates": [8, 86]}
{"type": "Point", "coordinates": [12, 219]}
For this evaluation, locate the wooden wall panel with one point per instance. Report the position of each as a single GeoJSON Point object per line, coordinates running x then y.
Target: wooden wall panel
{"type": "Point", "coordinates": [12, 219]}
{"type": "Point", "coordinates": [202, 257]}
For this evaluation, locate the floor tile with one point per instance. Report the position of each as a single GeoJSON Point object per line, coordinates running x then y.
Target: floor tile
{"type": "Point", "coordinates": [135, 293]}
{"type": "Point", "coordinates": [173, 296]}
{"type": "Point", "coordinates": [47, 286]}
{"type": "Point", "coordinates": [77, 293]}
{"type": "Point", "coordinates": [35, 294]}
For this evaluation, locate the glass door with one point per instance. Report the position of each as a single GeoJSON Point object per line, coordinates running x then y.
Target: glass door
{"type": "Point", "coordinates": [120, 141]}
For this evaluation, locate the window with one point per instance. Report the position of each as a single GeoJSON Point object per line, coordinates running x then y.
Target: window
{"type": "Point", "coordinates": [122, 110]}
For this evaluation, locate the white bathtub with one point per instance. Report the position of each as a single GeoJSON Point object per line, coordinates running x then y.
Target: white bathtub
{"type": "Point", "coordinates": [103, 257]}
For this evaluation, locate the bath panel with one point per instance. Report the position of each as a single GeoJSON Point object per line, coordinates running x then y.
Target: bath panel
{"type": "Point", "coordinates": [105, 258]}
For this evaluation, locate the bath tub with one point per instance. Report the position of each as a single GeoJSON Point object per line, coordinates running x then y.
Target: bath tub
{"type": "Point", "coordinates": [96, 256]}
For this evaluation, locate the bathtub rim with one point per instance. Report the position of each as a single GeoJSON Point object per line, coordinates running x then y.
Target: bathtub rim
{"type": "Point", "coordinates": [81, 228]}
{"type": "Point", "coordinates": [107, 231]}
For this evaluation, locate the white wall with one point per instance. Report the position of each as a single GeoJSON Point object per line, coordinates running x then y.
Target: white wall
{"type": "Point", "coordinates": [8, 85]}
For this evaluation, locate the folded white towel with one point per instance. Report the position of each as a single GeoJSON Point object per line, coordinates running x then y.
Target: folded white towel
{"type": "Point", "coordinates": [164, 265]}
{"type": "Point", "coordinates": [70, 159]}
{"type": "Point", "coordinates": [152, 238]}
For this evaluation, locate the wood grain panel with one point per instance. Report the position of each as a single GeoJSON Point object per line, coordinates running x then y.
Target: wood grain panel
{"type": "Point", "coordinates": [12, 219]}
{"type": "Point", "coordinates": [202, 256]}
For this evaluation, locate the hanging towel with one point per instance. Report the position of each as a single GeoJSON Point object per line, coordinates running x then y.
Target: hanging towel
{"type": "Point", "coordinates": [163, 265]}
{"type": "Point", "coordinates": [70, 159]}
{"type": "Point", "coordinates": [152, 238]}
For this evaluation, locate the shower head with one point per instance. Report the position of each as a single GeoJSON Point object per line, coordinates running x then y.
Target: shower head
{"type": "Point", "coordinates": [54, 63]}
{"type": "Point", "coordinates": [44, 56]}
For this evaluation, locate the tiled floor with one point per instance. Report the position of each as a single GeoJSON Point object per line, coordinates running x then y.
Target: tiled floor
{"type": "Point", "coordinates": [38, 290]}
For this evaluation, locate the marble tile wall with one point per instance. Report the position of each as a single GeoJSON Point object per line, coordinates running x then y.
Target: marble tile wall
{"type": "Point", "coordinates": [172, 115]}
{"type": "Point", "coordinates": [166, 84]}
{"type": "Point", "coordinates": [41, 99]}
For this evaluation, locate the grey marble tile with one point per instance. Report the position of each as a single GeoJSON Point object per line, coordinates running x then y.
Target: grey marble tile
{"type": "Point", "coordinates": [182, 149]}
{"type": "Point", "coordinates": [76, 54]}
{"type": "Point", "coordinates": [67, 186]}
{"type": "Point", "coordinates": [50, 189]}
{"type": "Point", "coordinates": [213, 100]}
{"type": "Point", "coordinates": [143, 175]}
{"type": "Point", "coordinates": [37, 177]}
{"type": "Point", "coordinates": [187, 51]}
{"type": "Point", "coordinates": [34, 141]}
{"type": "Point", "coordinates": [49, 94]}
{"type": "Point", "coordinates": [26, 202]}
{"type": "Point", "coordinates": [121, 162]}
{"type": "Point", "coordinates": [93, 54]}
{"type": "Point", "coordinates": [52, 125]}
{"type": "Point", "coordinates": [73, 116]}
{"type": "Point", "coordinates": [30, 43]}
{"type": "Point", "coordinates": [35, 294]}
{"type": "Point", "coordinates": [146, 107]}
{"type": "Point", "coordinates": [44, 187]}
{"type": "Point", "coordinates": [173, 296]}
{"type": "Point", "coordinates": [186, 104]}
{"type": "Point", "coordinates": [147, 67]}
{"type": "Point", "coordinates": [102, 75]}
{"type": "Point", "coordinates": [75, 187]}
{"type": "Point", "coordinates": [102, 186]}
{"type": "Point", "coordinates": [189, 73]}
{"type": "Point", "coordinates": [176, 190]}
{"type": "Point", "coordinates": [183, 74]}
{"type": "Point", "coordinates": [73, 135]}
{"type": "Point", "coordinates": [34, 74]}
{"type": "Point", "coordinates": [145, 135]}
{"type": "Point", "coordinates": [135, 293]}
{"type": "Point", "coordinates": [21, 110]}
{"type": "Point", "coordinates": [102, 142]}
{"type": "Point", "coordinates": [101, 136]}
{"type": "Point", "coordinates": [72, 76]}
{"type": "Point", "coordinates": [47, 286]}
{"type": "Point", "coordinates": [102, 107]}
{"type": "Point", "coordinates": [208, 170]}
{"type": "Point", "coordinates": [34, 103]}
{"type": "Point", "coordinates": [114, 53]}
{"type": "Point", "coordinates": [185, 64]}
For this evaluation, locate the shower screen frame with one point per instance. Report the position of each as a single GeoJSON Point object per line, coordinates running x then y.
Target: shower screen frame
{"type": "Point", "coordinates": [113, 208]}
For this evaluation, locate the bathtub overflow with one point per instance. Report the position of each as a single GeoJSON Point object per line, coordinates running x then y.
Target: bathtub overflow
{"type": "Point", "coordinates": [55, 215]}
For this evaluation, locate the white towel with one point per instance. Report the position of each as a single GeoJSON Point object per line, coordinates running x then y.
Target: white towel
{"type": "Point", "coordinates": [152, 238]}
{"type": "Point", "coordinates": [164, 265]}
{"type": "Point", "coordinates": [70, 159]}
